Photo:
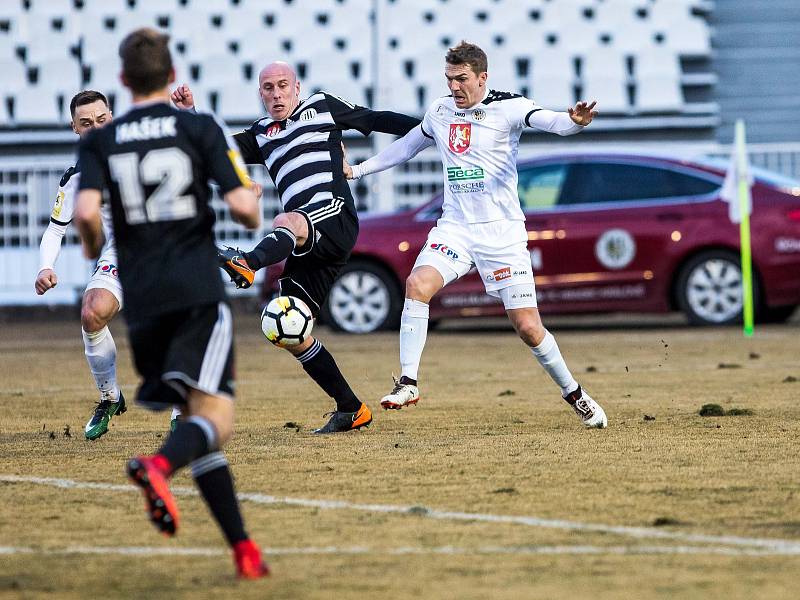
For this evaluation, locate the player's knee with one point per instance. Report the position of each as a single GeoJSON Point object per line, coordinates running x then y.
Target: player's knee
{"type": "Point", "coordinates": [97, 310]}
{"type": "Point", "coordinates": [418, 287]}
{"type": "Point", "coordinates": [531, 331]}
{"type": "Point", "coordinates": [295, 222]}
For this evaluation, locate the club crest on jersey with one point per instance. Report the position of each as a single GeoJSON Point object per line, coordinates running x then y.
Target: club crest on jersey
{"type": "Point", "coordinates": [308, 114]}
{"type": "Point", "coordinates": [460, 135]}
{"type": "Point", "coordinates": [479, 114]}
{"type": "Point", "coordinates": [273, 130]}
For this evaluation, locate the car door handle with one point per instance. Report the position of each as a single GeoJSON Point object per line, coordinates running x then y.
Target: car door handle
{"type": "Point", "coordinates": [669, 216]}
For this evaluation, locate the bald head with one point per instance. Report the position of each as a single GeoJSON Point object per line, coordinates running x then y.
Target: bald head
{"type": "Point", "coordinates": [279, 89]}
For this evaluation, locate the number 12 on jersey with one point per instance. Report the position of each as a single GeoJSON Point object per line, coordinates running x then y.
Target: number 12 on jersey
{"type": "Point", "coordinates": [170, 169]}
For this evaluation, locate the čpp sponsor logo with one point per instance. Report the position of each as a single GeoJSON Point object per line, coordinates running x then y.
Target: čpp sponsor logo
{"type": "Point", "coordinates": [445, 250]}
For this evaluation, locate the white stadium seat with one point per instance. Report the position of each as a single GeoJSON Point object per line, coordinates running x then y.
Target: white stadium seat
{"type": "Point", "coordinates": [220, 69]}
{"type": "Point", "coordinates": [605, 78]}
{"type": "Point", "coordinates": [36, 106]}
{"type": "Point", "coordinates": [15, 74]}
{"type": "Point", "coordinates": [105, 7]}
{"type": "Point", "coordinates": [657, 93]}
{"type": "Point", "coordinates": [51, 7]}
{"type": "Point", "coordinates": [240, 103]}
{"type": "Point", "coordinates": [657, 61]}
{"type": "Point", "coordinates": [62, 76]}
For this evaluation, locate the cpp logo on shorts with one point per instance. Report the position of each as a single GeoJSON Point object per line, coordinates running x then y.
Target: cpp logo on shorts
{"type": "Point", "coordinates": [106, 268]}
{"type": "Point", "coordinates": [445, 250]}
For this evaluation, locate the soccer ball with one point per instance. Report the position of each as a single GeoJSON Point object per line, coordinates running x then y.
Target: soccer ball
{"type": "Point", "coordinates": [286, 321]}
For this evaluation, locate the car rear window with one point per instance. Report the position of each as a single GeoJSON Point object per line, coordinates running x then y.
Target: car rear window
{"type": "Point", "coordinates": [591, 182]}
{"type": "Point", "coordinates": [540, 187]}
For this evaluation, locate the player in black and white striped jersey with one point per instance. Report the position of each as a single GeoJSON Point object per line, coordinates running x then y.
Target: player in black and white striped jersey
{"type": "Point", "coordinates": [300, 143]}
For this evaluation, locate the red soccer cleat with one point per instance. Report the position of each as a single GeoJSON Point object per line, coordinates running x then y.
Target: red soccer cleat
{"type": "Point", "coordinates": [150, 476]}
{"type": "Point", "coordinates": [248, 560]}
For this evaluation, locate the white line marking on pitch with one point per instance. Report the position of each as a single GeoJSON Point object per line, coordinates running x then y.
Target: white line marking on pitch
{"type": "Point", "coordinates": [785, 546]}
{"type": "Point", "coordinates": [151, 551]}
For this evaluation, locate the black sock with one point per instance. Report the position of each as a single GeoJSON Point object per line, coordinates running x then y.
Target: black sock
{"type": "Point", "coordinates": [213, 478]}
{"type": "Point", "coordinates": [275, 247]}
{"type": "Point", "coordinates": [321, 367]}
{"type": "Point", "coordinates": [193, 437]}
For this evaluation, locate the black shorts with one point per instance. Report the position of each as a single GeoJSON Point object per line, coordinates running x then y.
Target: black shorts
{"type": "Point", "coordinates": [311, 270]}
{"type": "Point", "coordinates": [191, 348]}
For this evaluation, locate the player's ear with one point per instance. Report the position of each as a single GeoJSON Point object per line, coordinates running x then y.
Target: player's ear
{"type": "Point", "coordinates": [74, 127]}
{"type": "Point", "coordinates": [482, 78]}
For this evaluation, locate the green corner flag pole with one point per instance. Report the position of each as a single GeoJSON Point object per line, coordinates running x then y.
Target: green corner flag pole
{"type": "Point", "coordinates": [743, 188]}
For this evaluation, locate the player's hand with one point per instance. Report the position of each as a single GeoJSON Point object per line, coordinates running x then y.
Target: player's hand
{"type": "Point", "coordinates": [182, 97]}
{"type": "Point", "coordinates": [583, 113]}
{"type": "Point", "coordinates": [45, 280]}
{"type": "Point", "coordinates": [346, 168]}
{"type": "Point", "coordinates": [257, 189]}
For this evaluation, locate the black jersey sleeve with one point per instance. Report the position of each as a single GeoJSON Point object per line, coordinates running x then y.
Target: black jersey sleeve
{"type": "Point", "coordinates": [93, 176]}
{"type": "Point", "coordinates": [248, 147]}
{"type": "Point", "coordinates": [224, 161]}
{"type": "Point", "coordinates": [365, 120]}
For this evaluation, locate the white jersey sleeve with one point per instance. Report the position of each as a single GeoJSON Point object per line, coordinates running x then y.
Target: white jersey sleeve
{"type": "Point", "coordinates": [398, 152]}
{"type": "Point", "coordinates": [523, 112]}
{"type": "Point", "coordinates": [60, 217]}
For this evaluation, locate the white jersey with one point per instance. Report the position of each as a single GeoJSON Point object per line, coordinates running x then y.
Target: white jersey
{"type": "Point", "coordinates": [479, 148]}
{"type": "Point", "coordinates": [61, 216]}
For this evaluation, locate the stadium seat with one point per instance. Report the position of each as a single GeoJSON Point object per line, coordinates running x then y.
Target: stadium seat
{"type": "Point", "coordinates": [51, 7]}
{"type": "Point", "coordinates": [15, 74]}
{"type": "Point", "coordinates": [604, 77]}
{"type": "Point", "coordinates": [657, 94]}
{"type": "Point", "coordinates": [96, 42]}
{"type": "Point", "coordinates": [104, 73]}
{"type": "Point", "coordinates": [239, 103]}
{"type": "Point", "coordinates": [220, 70]}
{"type": "Point", "coordinates": [36, 106]}
{"type": "Point", "coordinates": [259, 48]}
{"type": "Point", "coordinates": [551, 79]}
{"type": "Point", "coordinates": [691, 38]}
{"type": "Point", "coordinates": [106, 7]}
{"type": "Point", "coordinates": [5, 116]}
{"type": "Point", "coordinates": [657, 61]}
{"type": "Point", "coordinates": [62, 76]}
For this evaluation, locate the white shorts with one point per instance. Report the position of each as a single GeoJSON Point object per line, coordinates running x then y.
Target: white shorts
{"type": "Point", "coordinates": [105, 276]}
{"type": "Point", "coordinates": [498, 250]}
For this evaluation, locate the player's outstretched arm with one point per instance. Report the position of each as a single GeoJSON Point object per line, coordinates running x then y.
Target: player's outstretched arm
{"type": "Point", "coordinates": [87, 220]}
{"type": "Point", "coordinates": [245, 207]}
{"type": "Point", "coordinates": [400, 151]}
{"type": "Point", "coordinates": [562, 123]}
{"type": "Point", "coordinates": [49, 250]}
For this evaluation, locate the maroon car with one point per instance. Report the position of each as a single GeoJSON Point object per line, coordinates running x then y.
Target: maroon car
{"type": "Point", "coordinates": [607, 232]}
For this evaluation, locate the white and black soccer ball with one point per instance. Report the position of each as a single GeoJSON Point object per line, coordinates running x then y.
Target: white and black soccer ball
{"type": "Point", "coordinates": [286, 321]}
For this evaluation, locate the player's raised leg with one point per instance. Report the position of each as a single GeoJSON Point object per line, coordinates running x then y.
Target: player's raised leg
{"type": "Point", "coordinates": [530, 329]}
{"type": "Point", "coordinates": [290, 230]}
{"type": "Point", "coordinates": [99, 307]}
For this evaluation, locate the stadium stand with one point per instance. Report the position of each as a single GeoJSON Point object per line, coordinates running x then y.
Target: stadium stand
{"type": "Point", "coordinates": [553, 50]}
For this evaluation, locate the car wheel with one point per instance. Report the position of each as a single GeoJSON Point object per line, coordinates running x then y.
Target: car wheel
{"type": "Point", "coordinates": [364, 298]}
{"type": "Point", "coordinates": [710, 288]}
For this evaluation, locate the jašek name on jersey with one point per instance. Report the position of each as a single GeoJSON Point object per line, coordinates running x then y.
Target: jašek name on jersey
{"type": "Point", "coordinates": [146, 129]}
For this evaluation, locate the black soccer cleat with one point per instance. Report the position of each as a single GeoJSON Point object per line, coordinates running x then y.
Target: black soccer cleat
{"type": "Point", "coordinates": [347, 421]}
{"type": "Point", "coordinates": [103, 412]}
{"type": "Point", "coordinates": [231, 260]}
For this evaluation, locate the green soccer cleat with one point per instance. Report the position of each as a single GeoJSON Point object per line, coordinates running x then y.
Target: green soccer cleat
{"type": "Point", "coordinates": [98, 424]}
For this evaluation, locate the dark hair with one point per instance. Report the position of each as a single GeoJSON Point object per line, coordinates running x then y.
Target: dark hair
{"type": "Point", "coordinates": [468, 54]}
{"type": "Point", "coordinates": [85, 97]}
{"type": "Point", "coordinates": [146, 61]}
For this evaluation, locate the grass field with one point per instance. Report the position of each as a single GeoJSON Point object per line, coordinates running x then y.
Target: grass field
{"type": "Point", "coordinates": [489, 488]}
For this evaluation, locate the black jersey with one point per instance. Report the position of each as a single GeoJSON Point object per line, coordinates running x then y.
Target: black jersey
{"type": "Point", "coordinates": [155, 162]}
{"type": "Point", "coordinates": [303, 153]}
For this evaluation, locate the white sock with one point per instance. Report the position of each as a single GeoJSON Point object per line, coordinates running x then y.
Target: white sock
{"type": "Point", "coordinates": [413, 332]}
{"type": "Point", "coordinates": [549, 356]}
{"type": "Point", "coordinates": [176, 412]}
{"type": "Point", "coordinates": [101, 354]}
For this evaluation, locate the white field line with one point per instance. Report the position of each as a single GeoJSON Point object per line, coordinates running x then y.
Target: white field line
{"type": "Point", "coordinates": [775, 545]}
{"type": "Point", "coordinates": [151, 551]}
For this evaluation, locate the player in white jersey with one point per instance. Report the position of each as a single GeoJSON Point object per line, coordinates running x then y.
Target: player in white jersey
{"type": "Point", "coordinates": [102, 299]}
{"type": "Point", "coordinates": [476, 131]}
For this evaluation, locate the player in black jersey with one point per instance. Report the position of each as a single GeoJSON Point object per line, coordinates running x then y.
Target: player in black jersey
{"type": "Point", "coordinates": [300, 144]}
{"type": "Point", "coordinates": [155, 163]}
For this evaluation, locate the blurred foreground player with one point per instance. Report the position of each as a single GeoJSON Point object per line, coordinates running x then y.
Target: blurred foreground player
{"type": "Point", "coordinates": [155, 163]}
{"type": "Point", "coordinates": [102, 299]}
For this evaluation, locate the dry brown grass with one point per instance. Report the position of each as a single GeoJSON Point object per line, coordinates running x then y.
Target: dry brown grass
{"type": "Point", "coordinates": [490, 435]}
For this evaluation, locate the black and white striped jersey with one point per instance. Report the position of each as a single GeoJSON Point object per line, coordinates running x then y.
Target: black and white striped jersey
{"type": "Point", "coordinates": [303, 153]}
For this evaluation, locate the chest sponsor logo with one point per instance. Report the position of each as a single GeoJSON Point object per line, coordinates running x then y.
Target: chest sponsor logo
{"type": "Point", "coordinates": [58, 205]}
{"type": "Point", "coordinates": [479, 114]}
{"type": "Point", "coordinates": [444, 250]}
{"type": "Point", "coordinates": [615, 249]}
{"type": "Point", "coordinates": [273, 130]}
{"type": "Point", "coordinates": [308, 114]}
{"type": "Point", "coordinates": [460, 114]}
{"type": "Point", "coordinates": [460, 136]}
{"type": "Point", "coordinates": [464, 174]}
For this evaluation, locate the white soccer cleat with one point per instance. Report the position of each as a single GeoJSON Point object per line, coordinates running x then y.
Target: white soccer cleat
{"type": "Point", "coordinates": [403, 394]}
{"type": "Point", "coordinates": [589, 411]}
